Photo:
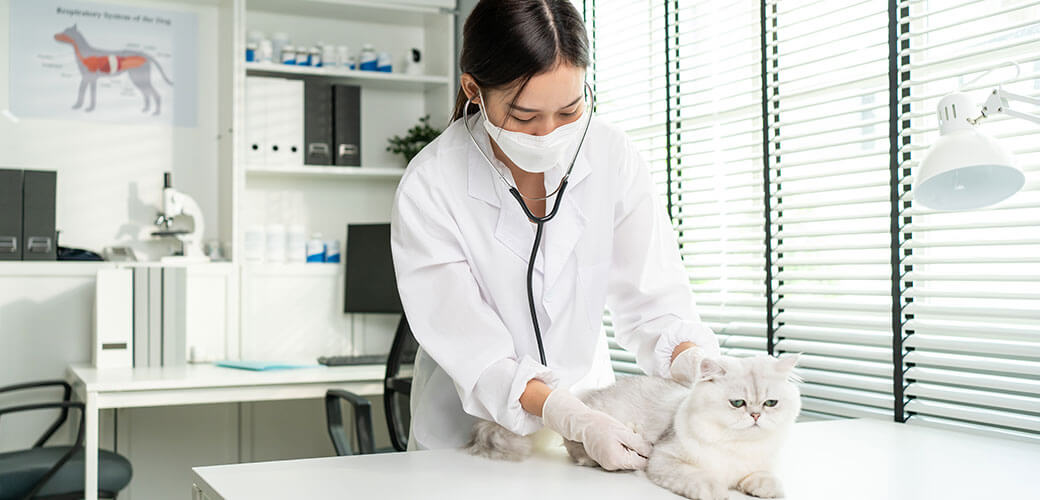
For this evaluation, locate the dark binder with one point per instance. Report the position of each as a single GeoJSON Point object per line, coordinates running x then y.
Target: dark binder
{"type": "Point", "coordinates": [347, 124]}
{"type": "Point", "coordinates": [10, 214]}
{"type": "Point", "coordinates": [38, 236]}
{"type": "Point", "coordinates": [317, 123]}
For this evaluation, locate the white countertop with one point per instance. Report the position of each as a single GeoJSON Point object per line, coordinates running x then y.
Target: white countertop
{"type": "Point", "coordinates": [831, 460]}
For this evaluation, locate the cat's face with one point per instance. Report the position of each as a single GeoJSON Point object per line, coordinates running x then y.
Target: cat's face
{"type": "Point", "coordinates": [745, 398]}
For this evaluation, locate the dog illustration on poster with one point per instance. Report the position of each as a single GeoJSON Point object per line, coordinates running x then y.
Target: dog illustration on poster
{"type": "Point", "coordinates": [95, 63]}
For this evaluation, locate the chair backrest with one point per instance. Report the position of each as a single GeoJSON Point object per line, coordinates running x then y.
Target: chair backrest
{"type": "Point", "coordinates": [403, 349]}
{"type": "Point", "coordinates": [397, 387]}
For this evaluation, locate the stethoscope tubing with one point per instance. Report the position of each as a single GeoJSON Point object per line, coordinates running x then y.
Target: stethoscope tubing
{"type": "Point", "coordinates": [538, 221]}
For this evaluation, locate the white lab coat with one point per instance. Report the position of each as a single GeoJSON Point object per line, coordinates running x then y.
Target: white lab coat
{"type": "Point", "coordinates": [460, 246]}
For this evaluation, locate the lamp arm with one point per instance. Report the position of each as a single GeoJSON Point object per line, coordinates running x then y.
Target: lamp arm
{"type": "Point", "coordinates": [997, 102]}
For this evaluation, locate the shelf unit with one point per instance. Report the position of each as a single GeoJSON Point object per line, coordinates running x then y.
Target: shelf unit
{"type": "Point", "coordinates": [326, 171]}
{"type": "Point", "coordinates": [349, 76]}
{"type": "Point", "coordinates": [326, 198]}
{"type": "Point", "coordinates": [296, 309]}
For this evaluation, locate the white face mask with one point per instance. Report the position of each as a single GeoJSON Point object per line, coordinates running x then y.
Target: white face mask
{"type": "Point", "coordinates": [533, 153]}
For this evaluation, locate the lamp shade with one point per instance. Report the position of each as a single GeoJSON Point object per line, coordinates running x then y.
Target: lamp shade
{"type": "Point", "coordinates": [965, 169]}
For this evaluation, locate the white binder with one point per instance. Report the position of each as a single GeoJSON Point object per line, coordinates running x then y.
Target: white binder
{"type": "Point", "coordinates": [274, 121]}
{"type": "Point", "coordinates": [256, 120]}
{"type": "Point", "coordinates": [285, 122]}
{"type": "Point", "coordinates": [113, 319]}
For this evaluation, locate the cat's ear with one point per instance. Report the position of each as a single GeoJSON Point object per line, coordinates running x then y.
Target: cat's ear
{"type": "Point", "coordinates": [785, 365]}
{"type": "Point", "coordinates": [711, 369]}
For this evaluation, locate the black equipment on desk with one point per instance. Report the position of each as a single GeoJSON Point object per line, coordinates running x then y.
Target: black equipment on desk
{"type": "Point", "coordinates": [371, 287]}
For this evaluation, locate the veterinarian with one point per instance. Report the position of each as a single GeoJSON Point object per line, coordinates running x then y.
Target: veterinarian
{"type": "Point", "coordinates": [526, 170]}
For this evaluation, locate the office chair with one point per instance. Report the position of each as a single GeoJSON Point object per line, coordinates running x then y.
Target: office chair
{"type": "Point", "coordinates": [56, 472]}
{"type": "Point", "coordinates": [397, 388]}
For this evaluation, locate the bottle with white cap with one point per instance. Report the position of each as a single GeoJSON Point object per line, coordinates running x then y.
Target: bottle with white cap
{"type": "Point", "coordinates": [316, 249]}
{"type": "Point", "coordinates": [254, 242]}
{"type": "Point", "coordinates": [275, 243]}
{"type": "Point", "coordinates": [332, 251]}
{"type": "Point", "coordinates": [297, 249]}
{"type": "Point", "coordinates": [368, 61]}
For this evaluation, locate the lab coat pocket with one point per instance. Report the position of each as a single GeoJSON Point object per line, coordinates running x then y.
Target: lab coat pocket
{"type": "Point", "coordinates": [593, 281]}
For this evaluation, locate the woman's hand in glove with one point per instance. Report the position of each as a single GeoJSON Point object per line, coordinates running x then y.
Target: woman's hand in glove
{"type": "Point", "coordinates": [607, 441]}
{"type": "Point", "coordinates": [685, 368]}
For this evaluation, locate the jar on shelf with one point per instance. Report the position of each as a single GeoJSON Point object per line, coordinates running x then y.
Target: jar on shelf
{"type": "Point", "coordinates": [288, 54]}
{"type": "Point", "coordinates": [368, 61]}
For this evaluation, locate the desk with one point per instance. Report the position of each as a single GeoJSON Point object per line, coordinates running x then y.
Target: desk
{"type": "Point", "coordinates": [202, 384]}
{"type": "Point", "coordinates": [840, 459]}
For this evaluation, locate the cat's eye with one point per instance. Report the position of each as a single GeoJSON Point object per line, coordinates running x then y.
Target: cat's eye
{"type": "Point", "coordinates": [770, 402]}
{"type": "Point", "coordinates": [737, 403]}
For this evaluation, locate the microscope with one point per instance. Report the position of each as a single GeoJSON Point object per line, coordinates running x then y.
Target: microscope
{"type": "Point", "coordinates": [175, 205]}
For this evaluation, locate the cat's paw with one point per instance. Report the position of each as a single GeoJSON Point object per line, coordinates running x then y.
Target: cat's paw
{"type": "Point", "coordinates": [707, 491]}
{"type": "Point", "coordinates": [761, 484]}
{"type": "Point", "coordinates": [695, 489]}
{"type": "Point", "coordinates": [577, 452]}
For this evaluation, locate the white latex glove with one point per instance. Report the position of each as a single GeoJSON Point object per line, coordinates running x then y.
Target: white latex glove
{"type": "Point", "coordinates": [607, 441]}
{"type": "Point", "coordinates": [685, 368]}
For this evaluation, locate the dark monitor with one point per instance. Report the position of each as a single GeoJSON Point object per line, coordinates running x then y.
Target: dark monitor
{"type": "Point", "coordinates": [371, 286]}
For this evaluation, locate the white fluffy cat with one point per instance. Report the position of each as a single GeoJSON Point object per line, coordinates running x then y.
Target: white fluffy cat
{"type": "Point", "coordinates": [722, 432]}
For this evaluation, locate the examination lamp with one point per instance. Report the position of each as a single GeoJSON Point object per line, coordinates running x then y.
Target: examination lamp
{"type": "Point", "coordinates": [966, 169]}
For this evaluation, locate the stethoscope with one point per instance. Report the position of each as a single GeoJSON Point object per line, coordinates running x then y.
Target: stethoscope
{"type": "Point", "coordinates": [538, 221]}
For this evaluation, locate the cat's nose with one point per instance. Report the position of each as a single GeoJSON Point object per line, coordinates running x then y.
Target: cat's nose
{"type": "Point", "coordinates": [755, 416]}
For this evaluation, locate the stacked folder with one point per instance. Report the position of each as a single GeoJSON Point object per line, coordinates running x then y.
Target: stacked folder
{"type": "Point", "coordinates": [302, 121]}
{"type": "Point", "coordinates": [140, 317]}
{"type": "Point", "coordinates": [27, 211]}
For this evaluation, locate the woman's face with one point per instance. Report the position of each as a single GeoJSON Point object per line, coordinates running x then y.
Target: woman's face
{"type": "Point", "coordinates": [549, 100]}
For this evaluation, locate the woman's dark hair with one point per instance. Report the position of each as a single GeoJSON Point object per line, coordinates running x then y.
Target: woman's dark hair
{"type": "Point", "coordinates": [506, 42]}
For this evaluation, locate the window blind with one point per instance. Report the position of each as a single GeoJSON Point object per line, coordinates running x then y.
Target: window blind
{"type": "Point", "coordinates": [971, 280]}
{"type": "Point", "coordinates": [843, 247]}
{"type": "Point", "coordinates": [630, 77]}
{"type": "Point", "coordinates": [717, 190]}
{"type": "Point", "coordinates": [827, 88]}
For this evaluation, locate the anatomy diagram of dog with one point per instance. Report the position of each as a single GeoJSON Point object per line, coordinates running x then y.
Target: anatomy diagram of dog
{"type": "Point", "coordinates": [96, 63]}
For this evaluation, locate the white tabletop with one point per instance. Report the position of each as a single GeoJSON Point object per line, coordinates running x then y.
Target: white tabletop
{"type": "Point", "coordinates": [842, 459]}
{"type": "Point", "coordinates": [207, 375]}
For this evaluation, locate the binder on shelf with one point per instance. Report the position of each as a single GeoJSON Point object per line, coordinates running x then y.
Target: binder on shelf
{"type": "Point", "coordinates": [10, 214]}
{"type": "Point", "coordinates": [274, 121]}
{"type": "Point", "coordinates": [39, 240]}
{"type": "Point", "coordinates": [284, 121]}
{"type": "Point", "coordinates": [141, 316]}
{"type": "Point", "coordinates": [113, 319]}
{"type": "Point", "coordinates": [347, 124]}
{"type": "Point", "coordinates": [174, 300]}
{"type": "Point", "coordinates": [317, 126]}
{"type": "Point", "coordinates": [155, 303]}
{"type": "Point", "coordinates": [256, 120]}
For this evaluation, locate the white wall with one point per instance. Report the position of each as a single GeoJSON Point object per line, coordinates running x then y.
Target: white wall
{"type": "Point", "coordinates": [109, 174]}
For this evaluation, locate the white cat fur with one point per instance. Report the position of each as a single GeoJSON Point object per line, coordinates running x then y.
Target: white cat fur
{"type": "Point", "coordinates": [703, 445]}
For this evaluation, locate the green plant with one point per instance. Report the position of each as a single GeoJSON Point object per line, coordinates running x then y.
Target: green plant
{"type": "Point", "coordinates": [416, 139]}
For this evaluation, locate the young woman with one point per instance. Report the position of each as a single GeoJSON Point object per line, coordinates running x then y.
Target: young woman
{"type": "Point", "coordinates": [499, 340]}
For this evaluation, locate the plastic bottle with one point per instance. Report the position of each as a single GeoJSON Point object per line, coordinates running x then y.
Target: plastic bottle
{"type": "Point", "coordinates": [368, 60]}
{"type": "Point", "coordinates": [332, 251]}
{"type": "Point", "coordinates": [288, 54]}
{"type": "Point", "coordinates": [316, 249]}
